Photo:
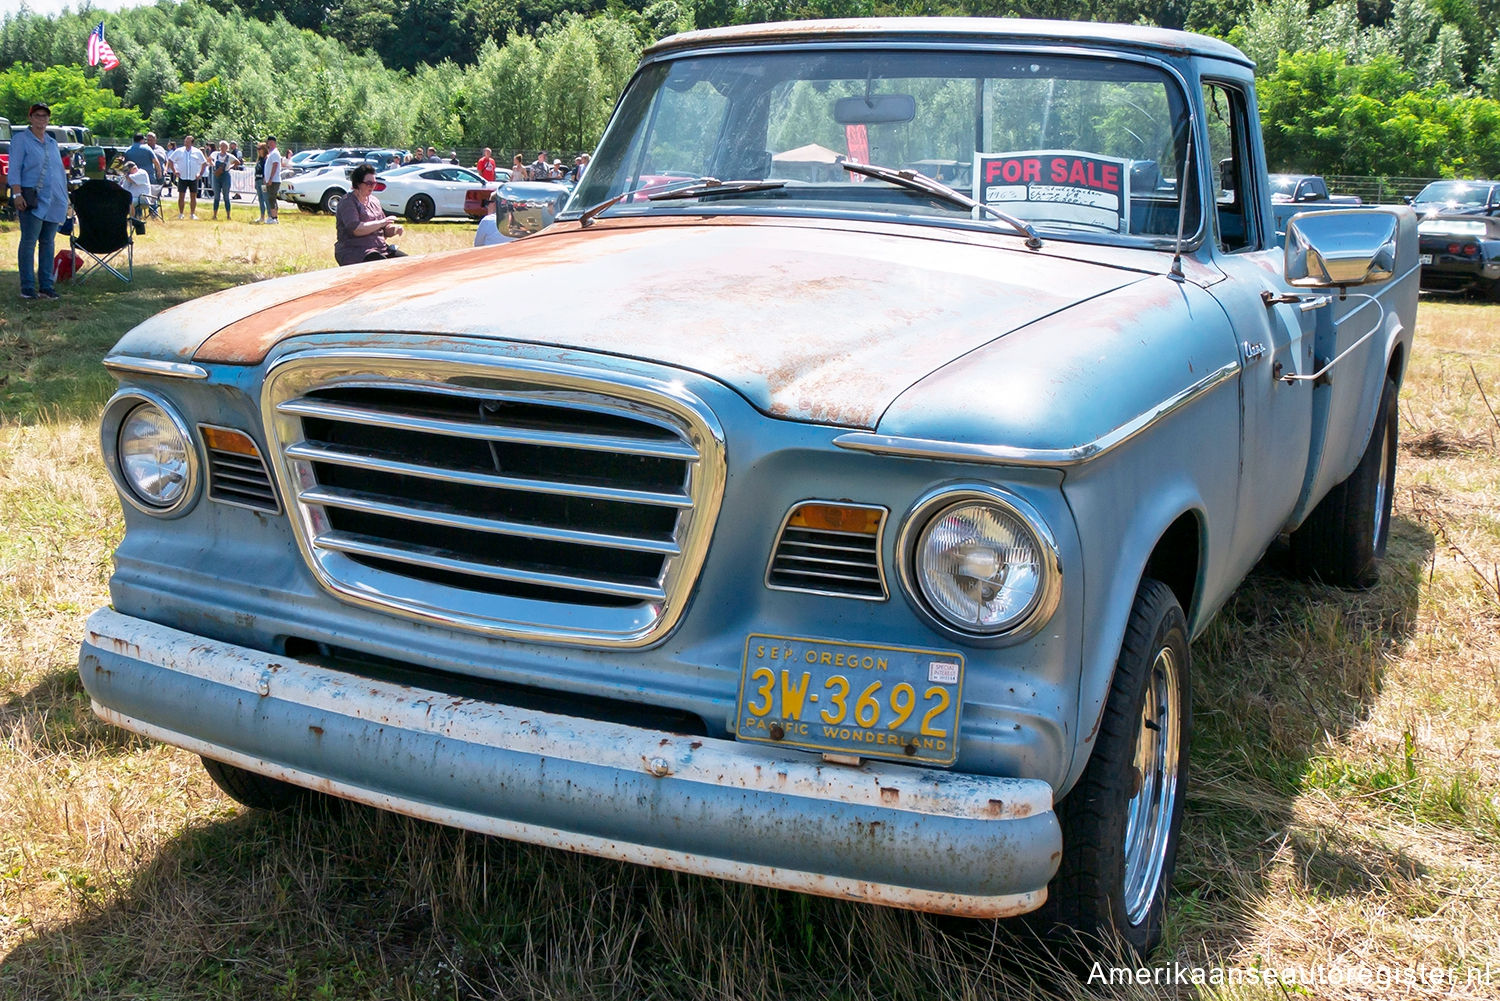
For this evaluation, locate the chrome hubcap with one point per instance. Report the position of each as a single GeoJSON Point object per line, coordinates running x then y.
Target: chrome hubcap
{"type": "Point", "coordinates": [1385, 458]}
{"type": "Point", "coordinates": [1149, 813]}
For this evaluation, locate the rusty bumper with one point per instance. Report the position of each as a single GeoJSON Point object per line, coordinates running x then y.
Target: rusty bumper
{"type": "Point", "coordinates": [919, 838]}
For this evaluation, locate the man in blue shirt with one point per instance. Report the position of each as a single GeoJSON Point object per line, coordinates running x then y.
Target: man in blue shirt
{"type": "Point", "coordinates": [39, 189]}
{"type": "Point", "coordinates": [142, 156]}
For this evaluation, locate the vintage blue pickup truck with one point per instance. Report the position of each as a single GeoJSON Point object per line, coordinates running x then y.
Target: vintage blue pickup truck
{"type": "Point", "coordinates": [836, 517]}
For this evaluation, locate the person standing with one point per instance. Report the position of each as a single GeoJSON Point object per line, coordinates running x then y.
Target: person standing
{"type": "Point", "coordinates": [260, 180]}
{"type": "Point", "coordinates": [39, 193]}
{"type": "Point", "coordinates": [159, 172]}
{"type": "Point", "coordinates": [142, 156]}
{"type": "Point", "coordinates": [272, 174]}
{"type": "Point", "coordinates": [361, 225]}
{"type": "Point", "coordinates": [219, 166]}
{"type": "Point", "coordinates": [486, 165]}
{"type": "Point", "coordinates": [189, 163]}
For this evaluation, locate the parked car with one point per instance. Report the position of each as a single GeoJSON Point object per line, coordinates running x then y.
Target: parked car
{"type": "Point", "coordinates": [328, 157]}
{"type": "Point", "coordinates": [318, 189]}
{"type": "Point", "coordinates": [426, 191]}
{"type": "Point", "coordinates": [846, 536]}
{"type": "Point", "coordinates": [1458, 198]}
{"type": "Point", "coordinates": [1460, 254]}
{"type": "Point", "coordinates": [1300, 188]}
{"type": "Point", "coordinates": [301, 157]}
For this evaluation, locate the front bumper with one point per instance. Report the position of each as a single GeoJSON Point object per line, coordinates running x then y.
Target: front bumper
{"type": "Point", "coordinates": [971, 845]}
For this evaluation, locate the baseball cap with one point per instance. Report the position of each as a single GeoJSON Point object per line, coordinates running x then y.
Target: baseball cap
{"type": "Point", "coordinates": [39, 106]}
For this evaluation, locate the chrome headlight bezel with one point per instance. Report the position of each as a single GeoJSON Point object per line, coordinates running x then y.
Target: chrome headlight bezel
{"type": "Point", "coordinates": [116, 412]}
{"type": "Point", "coordinates": [936, 504]}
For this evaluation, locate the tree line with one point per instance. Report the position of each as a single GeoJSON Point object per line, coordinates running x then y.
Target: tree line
{"type": "Point", "coordinates": [1368, 87]}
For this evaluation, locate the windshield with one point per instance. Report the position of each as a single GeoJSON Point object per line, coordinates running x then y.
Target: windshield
{"type": "Point", "coordinates": [1284, 184]}
{"type": "Point", "coordinates": [1086, 147]}
{"type": "Point", "coordinates": [1458, 194]}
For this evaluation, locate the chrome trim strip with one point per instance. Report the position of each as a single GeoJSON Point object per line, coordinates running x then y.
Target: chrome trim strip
{"type": "Point", "coordinates": [315, 453]}
{"type": "Point", "coordinates": [487, 432]}
{"type": "Point", "coordinates": [879, 553]}
{"type": "Point", "coordinates": [120, 406]}
{"type": "Point", "coordinates": [934, 504]}
{"type": "Point", "coordinates": [427, 514]}
{"type": "Point", "coordinates": [1006, 455]}
{"type": "Point", "coordinates": [664, 401]}
{"type": "Point", "coordinates": [355, 546]}
{"type": "Point", "coordinates": [151, 366]}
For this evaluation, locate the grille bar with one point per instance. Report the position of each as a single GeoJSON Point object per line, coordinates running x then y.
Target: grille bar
{"type": "Point", "coordinates": [433, 515]}
{"type": "Point", "coordinates": [447, 561]}
{"type": "Point", "coordinates": [240, 479]}
{"type": "Point", "coordinates": [827, 561]}
{"type": "Point", "coordinates": [487, 431]}
{"type": "Point", "coordinates": [314, 452]}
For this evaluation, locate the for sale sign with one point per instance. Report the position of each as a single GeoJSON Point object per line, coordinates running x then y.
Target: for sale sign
{"type": "Point", "coordinates": [1061, 187]}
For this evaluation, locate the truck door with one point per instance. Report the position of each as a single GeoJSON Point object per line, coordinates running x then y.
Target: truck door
{"type": "Point", "coordinates": [1275, 338]}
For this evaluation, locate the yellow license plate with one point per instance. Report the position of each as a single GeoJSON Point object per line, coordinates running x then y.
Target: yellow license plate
{"type": "Point", "coordinates": [859, 699]}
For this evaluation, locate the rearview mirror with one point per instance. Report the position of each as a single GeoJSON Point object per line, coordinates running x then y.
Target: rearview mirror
{"type": "Point", "coordinates": [875, 109]}
{"type": "Point", "coordinates": [1340, 247]}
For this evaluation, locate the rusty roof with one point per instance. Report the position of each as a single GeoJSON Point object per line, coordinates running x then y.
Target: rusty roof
{"type": "Point", "coordinates": [956, 29]}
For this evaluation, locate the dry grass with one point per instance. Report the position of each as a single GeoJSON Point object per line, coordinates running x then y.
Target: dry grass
{"type": "Point", "coordinates": [1345, 814]}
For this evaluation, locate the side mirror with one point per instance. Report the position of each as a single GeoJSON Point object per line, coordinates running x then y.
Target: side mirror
{"type": "Point", "coordinates": [1408, 199]}
{"type": "Point", "coordinates": [1340, 247]}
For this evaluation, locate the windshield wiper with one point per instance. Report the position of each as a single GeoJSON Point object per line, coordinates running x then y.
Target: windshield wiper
{"type": "Point", "coordinates": [713, 186]}
{"type": "Point", "coordinates": [921, 182]}
{"type": "Point", "coordinates": [692, 188]}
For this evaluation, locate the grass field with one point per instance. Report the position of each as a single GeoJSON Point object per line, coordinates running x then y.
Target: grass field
{"type": "Point", "coordinates": [1344, 819]}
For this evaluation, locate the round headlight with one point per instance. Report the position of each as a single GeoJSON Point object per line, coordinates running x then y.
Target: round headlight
{"type": "Point", "coordinates": [154, 457]}
{"type": "Point", "coordinates": [981, 566]}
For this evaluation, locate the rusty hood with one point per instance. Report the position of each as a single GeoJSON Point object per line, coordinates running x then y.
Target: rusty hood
{"type": "Point", "coordinates": [808, 323]}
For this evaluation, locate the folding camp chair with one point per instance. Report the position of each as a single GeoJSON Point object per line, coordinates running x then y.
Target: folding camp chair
{"type": "Point", "coordinates": [103, 230]}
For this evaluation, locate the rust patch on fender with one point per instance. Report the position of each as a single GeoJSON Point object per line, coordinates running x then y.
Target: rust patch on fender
{"type": "Point", "coordinates": [891, 797]}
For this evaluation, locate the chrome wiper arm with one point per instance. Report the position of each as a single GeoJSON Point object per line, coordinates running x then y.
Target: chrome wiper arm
{"type": "Point", "coordinates": [921, 182]}
{"type": "Point", "coordinates": [713, 186]}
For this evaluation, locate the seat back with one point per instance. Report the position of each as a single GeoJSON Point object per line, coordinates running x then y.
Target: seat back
{"type": "Point", "coordinates": [103, 209]}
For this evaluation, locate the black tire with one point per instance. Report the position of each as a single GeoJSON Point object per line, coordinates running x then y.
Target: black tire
{"type": "Point", "coordinates": [331, 199]}
{"type": "Point", "coordinates": [259, 792]}
{"type": "Point", "coordinates": [420, 208]}
{"type": "Point", "coordinates": [1110, 891]}
{"type": "Point", "coordinates": [1344, 537]}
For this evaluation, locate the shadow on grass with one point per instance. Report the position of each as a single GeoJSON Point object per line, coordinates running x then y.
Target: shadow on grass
{"type": "Point", "coordinates": [352, 902]}
{"type": "Point", "coordinates": [50, 351]}
{"type": "Point", "coordinates": [349, 902]}
{"type": "Point", "coordinates": [1286, 669]}
{"type": "Point", "coordinates": [56, 719]}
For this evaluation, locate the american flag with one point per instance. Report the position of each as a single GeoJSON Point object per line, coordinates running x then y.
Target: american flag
{"type": "Point", "coordinates": [100, 54]}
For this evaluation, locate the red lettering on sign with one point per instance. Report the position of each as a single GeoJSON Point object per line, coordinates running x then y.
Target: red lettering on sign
{"type": "Point", "coordinates": [1033, 170]}
{"type": "Point", "coordinates": [1059, 171]}
{"type": "Point", "coordinates": [1112, 177]}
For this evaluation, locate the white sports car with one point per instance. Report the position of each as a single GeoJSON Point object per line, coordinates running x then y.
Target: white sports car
{"type": "Point", "coordinates": [423, 191]}
{"type": "Point", "coordinates": [318, 189]}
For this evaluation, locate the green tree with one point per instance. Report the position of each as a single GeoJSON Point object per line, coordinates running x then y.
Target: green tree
{"type": "Point", "coordinates": [572, 88]}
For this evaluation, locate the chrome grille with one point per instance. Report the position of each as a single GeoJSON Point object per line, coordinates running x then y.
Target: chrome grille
{"type": "Point", "coordinates": [535, 501]}
{"type": "Point", "coordinates": [826, 561]}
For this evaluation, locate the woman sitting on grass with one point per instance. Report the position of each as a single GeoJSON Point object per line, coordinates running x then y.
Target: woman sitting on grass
{"type": "Point", "coordinates": [362, 225]}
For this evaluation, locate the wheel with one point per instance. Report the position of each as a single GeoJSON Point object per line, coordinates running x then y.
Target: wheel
{"type": "Point", "coordinates": [420, 208]}
{"type": "Point", "coordinates": [1120, 822]}
{"type": "Point", "coordinates": [1342, 541]}
{"type": "Point", "coordinates": [260, 792]}
{"type": "Point", "coordinates": [331, 199]}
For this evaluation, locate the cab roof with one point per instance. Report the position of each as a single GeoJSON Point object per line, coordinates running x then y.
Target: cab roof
{"type": "Point", "coordinates": [957, 29]}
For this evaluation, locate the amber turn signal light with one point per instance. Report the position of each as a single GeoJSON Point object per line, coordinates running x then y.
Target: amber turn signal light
{"type": "Point", "coordinates": [836, 518]}
{"type": "Point", "coordinates": [226, 440]}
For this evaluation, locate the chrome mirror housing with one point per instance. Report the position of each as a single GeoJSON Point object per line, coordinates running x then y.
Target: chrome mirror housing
{"type": "Point", "coordinates": [1340, 247]}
